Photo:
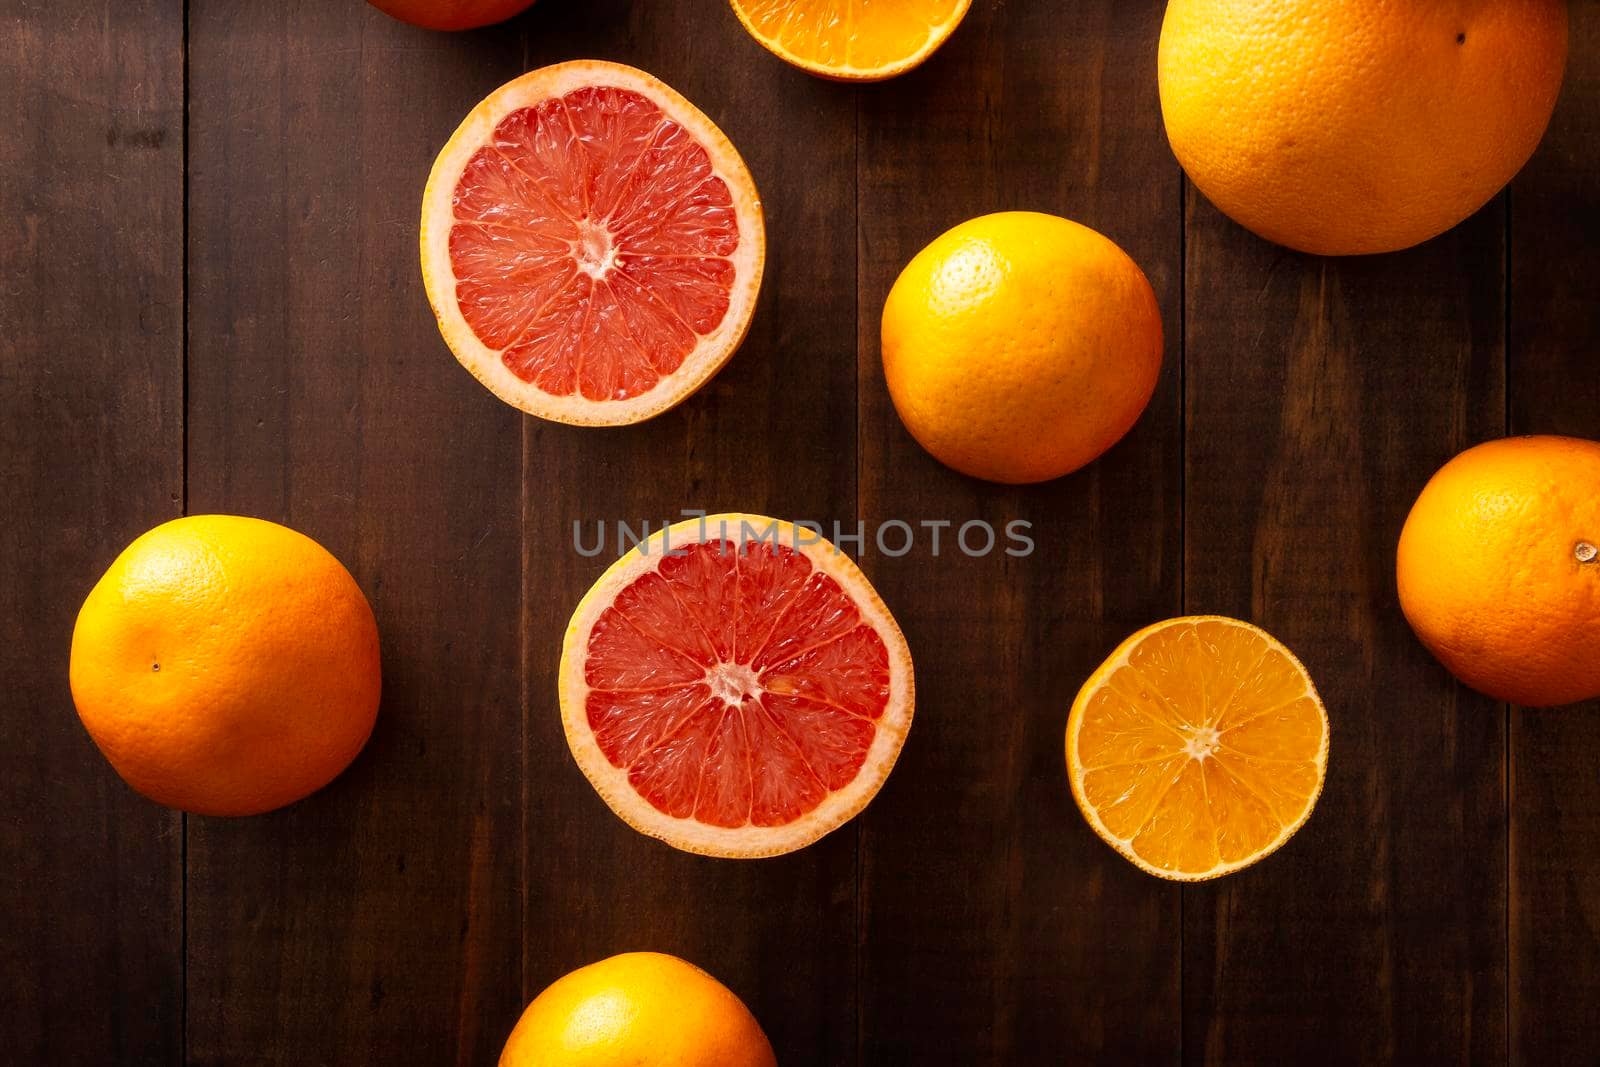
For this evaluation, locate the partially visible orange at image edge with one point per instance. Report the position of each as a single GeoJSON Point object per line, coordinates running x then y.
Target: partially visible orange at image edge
{"type": "Point", "coordinates": [637, 1008]}
{"type": "Point", "coordinates": [1498, 569]}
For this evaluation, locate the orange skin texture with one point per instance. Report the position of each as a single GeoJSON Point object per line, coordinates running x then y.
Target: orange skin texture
{"type": "Point", "coordinates": [639, 1009]}
{"type": "Point", "coordinates": [1018, 347]}
{"type": "Point", "coordinates": [268, 678]}
{"type": "Point", "coordinates": [1346, 127]}
{"type": "Point", "coordinates": [451, 14]}
{"type": "Point", "coordinates": [1491, 572]}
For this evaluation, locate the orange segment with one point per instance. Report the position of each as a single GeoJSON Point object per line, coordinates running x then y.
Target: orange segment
{"type": "Point", "coordinates": [852, 40]}
{"type": "Point", "coordinates": [1198, 747]}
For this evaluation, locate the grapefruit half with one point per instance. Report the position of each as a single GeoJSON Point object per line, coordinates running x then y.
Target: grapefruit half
{"type": "Point", "coordinates": [735, 687]}
{"type": "Point", "coordinates": [592, 245]}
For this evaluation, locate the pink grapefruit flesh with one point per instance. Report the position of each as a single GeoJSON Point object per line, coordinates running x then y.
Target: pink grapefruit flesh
{"type": "Point", "coordinates": [597, 255]}
{"type": "Point", "coordinates": [745, 696]}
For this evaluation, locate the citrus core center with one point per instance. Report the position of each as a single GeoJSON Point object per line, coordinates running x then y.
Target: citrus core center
{"type": "Point", "coordinates": [1202, 742]}
{"type": "Point", "coordinates": [733, 683]}
{"type": "Point", "coordinates": [593, 249]}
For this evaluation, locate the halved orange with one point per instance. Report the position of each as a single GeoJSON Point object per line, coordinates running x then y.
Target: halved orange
{"type": "Point", "coordinates": [852, 40]}
{"type": "Point", "coordinates": [592, 245]}
{"type": "Point", "coordinates": [1198, 747]}
{"type": "Point", "coordinates": [735, 687]}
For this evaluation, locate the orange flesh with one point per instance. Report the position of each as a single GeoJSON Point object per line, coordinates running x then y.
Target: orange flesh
{"type": "Point", "coordinates": [736, 685]}
{"type": "Point", "coordinates": [591, 244]}
{"type": "Point", "coordinates": [861, 34]}
{"type": "Point", "coordinates": [1203, 748]}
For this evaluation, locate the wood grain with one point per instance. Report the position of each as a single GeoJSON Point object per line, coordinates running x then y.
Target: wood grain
{"type": "Point", "coordinates": [1554, 388]}
{"type": "Point", "coordinates": [91, 455]}
{"type": "Point", "coordinates": [995, 927]}
{"type": "Point", "coordinates": [1321, 395]}
{"type": "Point", "coordinates": [377, 921]}
{"type": "Point", "coordinates": [772, 434]}
{"type": "Point", "coordinates": [1440, 906]}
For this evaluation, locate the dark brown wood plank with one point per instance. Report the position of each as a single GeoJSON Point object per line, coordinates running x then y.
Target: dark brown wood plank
{"type": "Point", "coordinates": [773, 434]}
{"type": "Point", "coordinates": [91, 455]}
{"type": "Point", "coordinates": [1321, 395]}
{"type": "Point", "coordinates": [1554, 388]}
{"type": "Point", "coordinates": [996, 928]}
{"type": "Point", "coordinates": [377, 921]}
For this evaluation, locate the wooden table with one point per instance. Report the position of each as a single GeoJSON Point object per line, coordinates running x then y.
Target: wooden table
{"type": "Point", "coordinates": [211, 302]}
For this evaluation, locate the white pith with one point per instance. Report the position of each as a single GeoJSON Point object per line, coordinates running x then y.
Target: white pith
{"type": "Point", "coordinates": [748, 841]}
{"type": "Point", "coordinates": [733, 683]}
{"type": "Point", "coordinates": [595, 250]}
{"type": "Point", "coordinates": [1200, 744]}
{"type": "Point", "coordinates": [438, 215]}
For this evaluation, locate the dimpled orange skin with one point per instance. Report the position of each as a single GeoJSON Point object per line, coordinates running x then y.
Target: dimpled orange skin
{"type": "Point", "coordinates": [639, 1009]}
{"type": "Point", "coordinates": [226, 665]}
{"type": "Point", "coordinates": [1344, 127]}
{"type": "Point", "coordinates": [1020, 346]}
{"type": "Point", "coordinates": [1498, 570]}
{"type": "Point", "coordinates": [451, 14]}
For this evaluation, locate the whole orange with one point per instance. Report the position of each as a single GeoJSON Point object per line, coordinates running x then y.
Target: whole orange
{"type": "Point", "coordinates": [1019, 346]}
{"type": "Point", "coordinates": [1499, 569]}
{"type": "Point", "coordinates": [639, 1009]}
{"type": "Point", "coordinates": [451, 14]}
{"type": "Point", "coordinates": [226, 666]}
{"type": "Point", "coordinates": [1342, 127]}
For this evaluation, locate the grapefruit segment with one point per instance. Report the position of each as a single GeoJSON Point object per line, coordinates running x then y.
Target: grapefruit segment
{"type": "Point", "coordinates": [1198, 747]}
{"type": "Point", "coordinates": [735, 696]}
{"type": "Point", "coordinates": [592, 245]}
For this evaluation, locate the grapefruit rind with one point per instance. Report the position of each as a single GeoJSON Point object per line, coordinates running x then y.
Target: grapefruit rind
{"type": "Point", "coordinates": [1118, 659]}
{"type": "Point", "coordinates": [937, 35]}
{"type": "Point", "coordinates": [438, 216]}
{"type": "Point", "coordinates": [749, 841]}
